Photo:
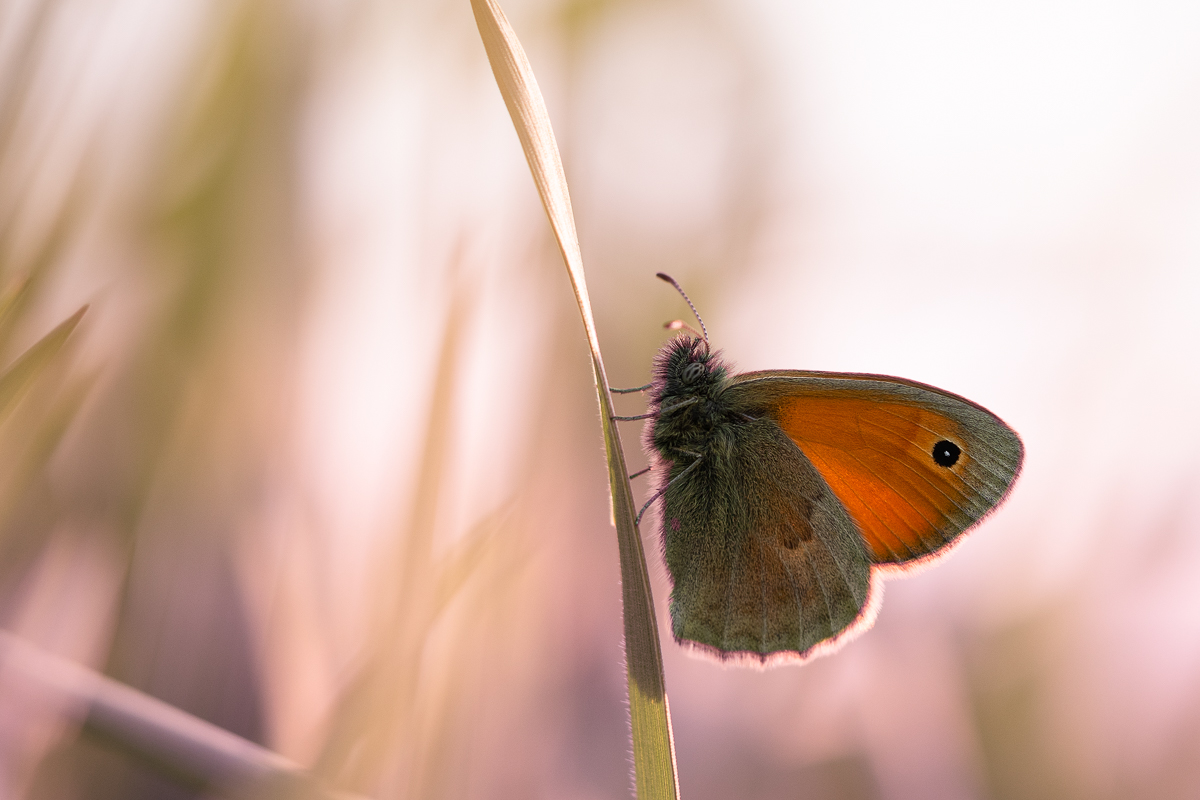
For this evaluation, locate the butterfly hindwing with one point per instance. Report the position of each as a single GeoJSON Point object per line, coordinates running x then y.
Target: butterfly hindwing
{"type": "Point", "coordinates": [914, 466]}
{"type": "Point", "coordinates": [766, 562]}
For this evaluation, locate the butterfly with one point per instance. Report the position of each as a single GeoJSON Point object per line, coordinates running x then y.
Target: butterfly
{"type": "Point", "coordinates": [785, 494]}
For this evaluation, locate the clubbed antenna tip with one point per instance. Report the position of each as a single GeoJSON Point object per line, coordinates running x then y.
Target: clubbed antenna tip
{"type": "Point", "coordinates": [664, 276]}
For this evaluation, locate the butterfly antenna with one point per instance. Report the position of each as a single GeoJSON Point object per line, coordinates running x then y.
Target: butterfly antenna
{"type": "Point", "coordinates": [680, 325]}
{"type": "Point", "coordinates": [664, 276]}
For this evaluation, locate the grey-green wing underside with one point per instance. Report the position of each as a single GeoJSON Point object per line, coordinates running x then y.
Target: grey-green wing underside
{"type": "Point", "coordinates": [766, 562]}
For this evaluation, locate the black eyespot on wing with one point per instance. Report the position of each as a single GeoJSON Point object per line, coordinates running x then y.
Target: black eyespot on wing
{"type": "Point", "coordinates": [946, 453]}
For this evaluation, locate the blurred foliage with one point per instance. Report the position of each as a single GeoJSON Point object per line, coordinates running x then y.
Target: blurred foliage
{"type": "Point", "coordinates": [178, 444]}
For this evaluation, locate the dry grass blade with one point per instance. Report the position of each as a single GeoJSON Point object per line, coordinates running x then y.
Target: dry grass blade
{"type": "Point", "coordinates": [653, 748]}
{"type": "Point", "coordinates": [9, 302]}
{"type": "Point", "coordinates": [373, 726]}
{"type": "Point", "coordinates": [192, 747]}
{"type": "Point", "coordinates": [465, 557]}
{"type": "Point", "coordinates": [20, 374]}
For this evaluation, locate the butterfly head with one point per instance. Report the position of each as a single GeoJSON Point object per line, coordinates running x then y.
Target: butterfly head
{"type": "Point", "coordinates": [686, 368]}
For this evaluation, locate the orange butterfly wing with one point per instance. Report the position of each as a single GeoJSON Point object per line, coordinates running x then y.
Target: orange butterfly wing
{"type": "Point", "coordinates": [873, 439]}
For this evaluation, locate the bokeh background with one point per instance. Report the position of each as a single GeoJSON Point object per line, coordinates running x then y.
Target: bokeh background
{"type": "Point", "coordinates": [322, 464]}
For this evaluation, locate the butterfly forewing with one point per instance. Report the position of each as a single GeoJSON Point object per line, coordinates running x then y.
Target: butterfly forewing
{"type": "Point", "coordinates": [914, 466]}
{"type": "Point", "coordinates": [766, 562]}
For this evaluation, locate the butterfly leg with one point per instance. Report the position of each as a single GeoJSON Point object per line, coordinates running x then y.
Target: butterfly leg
{"type": "Point", "coordinates": [639, 472]}
{"type": "Point", "coordinates": [630, 391]}
{"type": "Point", "coordinates": [664, 410]}
{"type": "Point", "coordinates": [663, 490]}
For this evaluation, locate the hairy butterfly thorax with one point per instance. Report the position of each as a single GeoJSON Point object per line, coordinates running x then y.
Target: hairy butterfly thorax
{"type": "Point", "coordinates": [685, 398]}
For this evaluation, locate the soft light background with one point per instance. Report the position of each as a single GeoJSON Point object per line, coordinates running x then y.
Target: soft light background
{"type": "Point", "coordinates": [324, 467]}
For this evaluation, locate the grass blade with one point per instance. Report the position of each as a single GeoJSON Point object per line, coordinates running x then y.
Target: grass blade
{"type": "Point", "coordinates": [650, 720]}
{"type": "Point", "coordinates": [187, 746]}
{"type": "Point", "coordinates": [20, 374]}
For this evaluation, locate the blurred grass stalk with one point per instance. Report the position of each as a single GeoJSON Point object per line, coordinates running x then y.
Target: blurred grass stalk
{"type": "Point", "coordinates": [51, 690]}
{"type": "Point", "coordinates": [389, 722]}
{"type": "Point", "coordinates": [192, 749]}
{"type": "Point", "coordinates": [650, 719]}
{"type": "Point", "coordinates": [48, 692]}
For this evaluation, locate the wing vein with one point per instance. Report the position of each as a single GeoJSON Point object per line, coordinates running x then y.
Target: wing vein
{"type": "Point", "coordinates": [916, 510]}
{"type": "Point", "coordinates": [816, 573]}
{"type": "Point", "coordinates": [796, 593]}
{"type": "Point", "coordinates": [869, 507]}
{"type": "Point", "coordinates": [912, 470]}
{"type": "Point", "coordinates": [997, 475]}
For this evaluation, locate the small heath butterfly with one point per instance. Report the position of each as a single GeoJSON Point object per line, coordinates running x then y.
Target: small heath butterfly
{"type": "Point", "coordinates": [785, 493]}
